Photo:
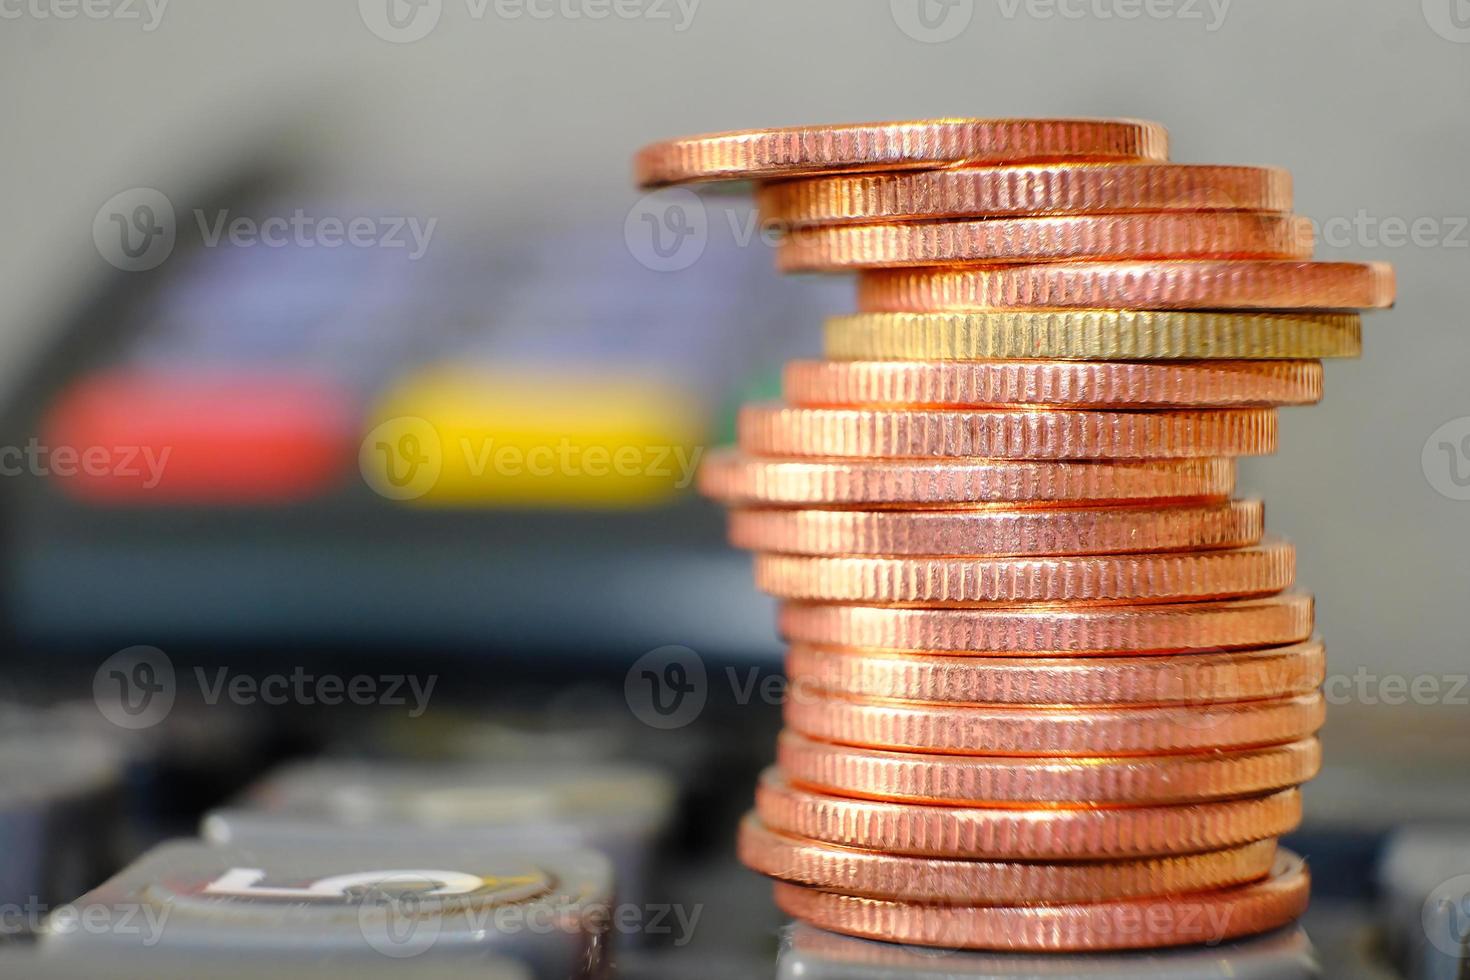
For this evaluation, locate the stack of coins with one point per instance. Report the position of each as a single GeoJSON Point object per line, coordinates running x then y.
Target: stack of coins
{"type": "Point", "coordinates": [1050, 687]}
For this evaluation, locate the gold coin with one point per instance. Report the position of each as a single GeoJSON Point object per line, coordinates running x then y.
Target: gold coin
{"type": "Point", "coordinates": [1059, 384]}
{"type": "Point", "coordinates": [1112, 335]}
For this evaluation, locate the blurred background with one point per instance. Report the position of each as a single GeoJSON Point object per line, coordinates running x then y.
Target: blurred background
{"type": "Point", "coordinates": [321, 326]}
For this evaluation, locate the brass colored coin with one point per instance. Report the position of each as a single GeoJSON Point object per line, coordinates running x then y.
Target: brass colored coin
{"type": "Point", "coordinates": [1185, 235]}
{"type": "Point", "coordinates": [1148, 923]}
{"type": "Point", "coordinates": [1063, 188]}
{"type": "Point", "coordinates": [1181, 679]}
{"type": "Point", "coordinates": [1059, 384]}
{"type": "Point", "coordinates": [933, 581]}
{"type": "Point", "coordinates": [780, 430]}
{"type": "Point", "coordinates": [1129, 335]}
{"type": "Point", "coordinates": [1211, 284]}
{"type": "Point", "coordinates": [1108, 731]}
{"type": "Point", "coordinates": [875, 874]}
{"type": "Point", "coordinates": [1038, 780]}
{"type": "Point", "coordinates": [759, 154]}
{"type": "Point", "coordinates": [1003, 809]}
{"type": "Point", "coordinates": [995, 531]}
{"type": "Point", "coordinates": [737, 479]}
{"type": "Point", "coordinates": [1072, 630]}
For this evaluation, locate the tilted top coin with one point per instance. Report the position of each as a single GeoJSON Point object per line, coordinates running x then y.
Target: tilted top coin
{"type": "Point", "coordinates": [797, 150]}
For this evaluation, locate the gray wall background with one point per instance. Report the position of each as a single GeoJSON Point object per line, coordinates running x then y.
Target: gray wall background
{"type": "Point", "coordinates": [1365, 101]}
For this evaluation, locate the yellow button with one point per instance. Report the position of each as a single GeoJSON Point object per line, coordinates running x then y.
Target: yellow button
{"type": "Point", "coordinates": [451, 435]}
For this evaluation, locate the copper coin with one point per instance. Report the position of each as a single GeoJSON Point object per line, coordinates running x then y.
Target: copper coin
{"type": "Point", "coordinates": [994, 530]}
{"type": "Point", "coordinates": [1061, 384]}
{"type": "Point", "coordinates": [1063, 188]}
{"type": "Point", "coordinates": [1191, 679]}
{"type": "Point", "coordinates": [735, 478]}
{"type": "Point", "coordinates": [796, 150]}
{"type": "Point", "coordinates": [1129, 629]}
{"type": "Point", "coordinates": [852, 871]}
{"type": "Point", "coordinates": [998, 780]}
{"type": "Point", "coordinates": [1035, 731]}
{"type": "Point", "coordinates": [1105, 335]}
{"type": "Point", "coordinates": [1152, 577]}
{"type": "Point", "coordinates": [1236, 284]}
{"type": "Point", "coordinates": [780, 430]}
{"type": "Point", "coordinates": [1217, 807]}
{"type": "Point", "coordinates": [1138, 923]}
{"type": "Point", "coordinates": [1186, 235]}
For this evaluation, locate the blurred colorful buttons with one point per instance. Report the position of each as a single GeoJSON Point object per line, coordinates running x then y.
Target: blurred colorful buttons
{"type": "Point", "coordinates": [157, 437]}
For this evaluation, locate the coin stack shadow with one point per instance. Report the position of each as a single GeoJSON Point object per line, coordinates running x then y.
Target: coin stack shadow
{"type": "Point", "coordinates": [1050, 688]}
